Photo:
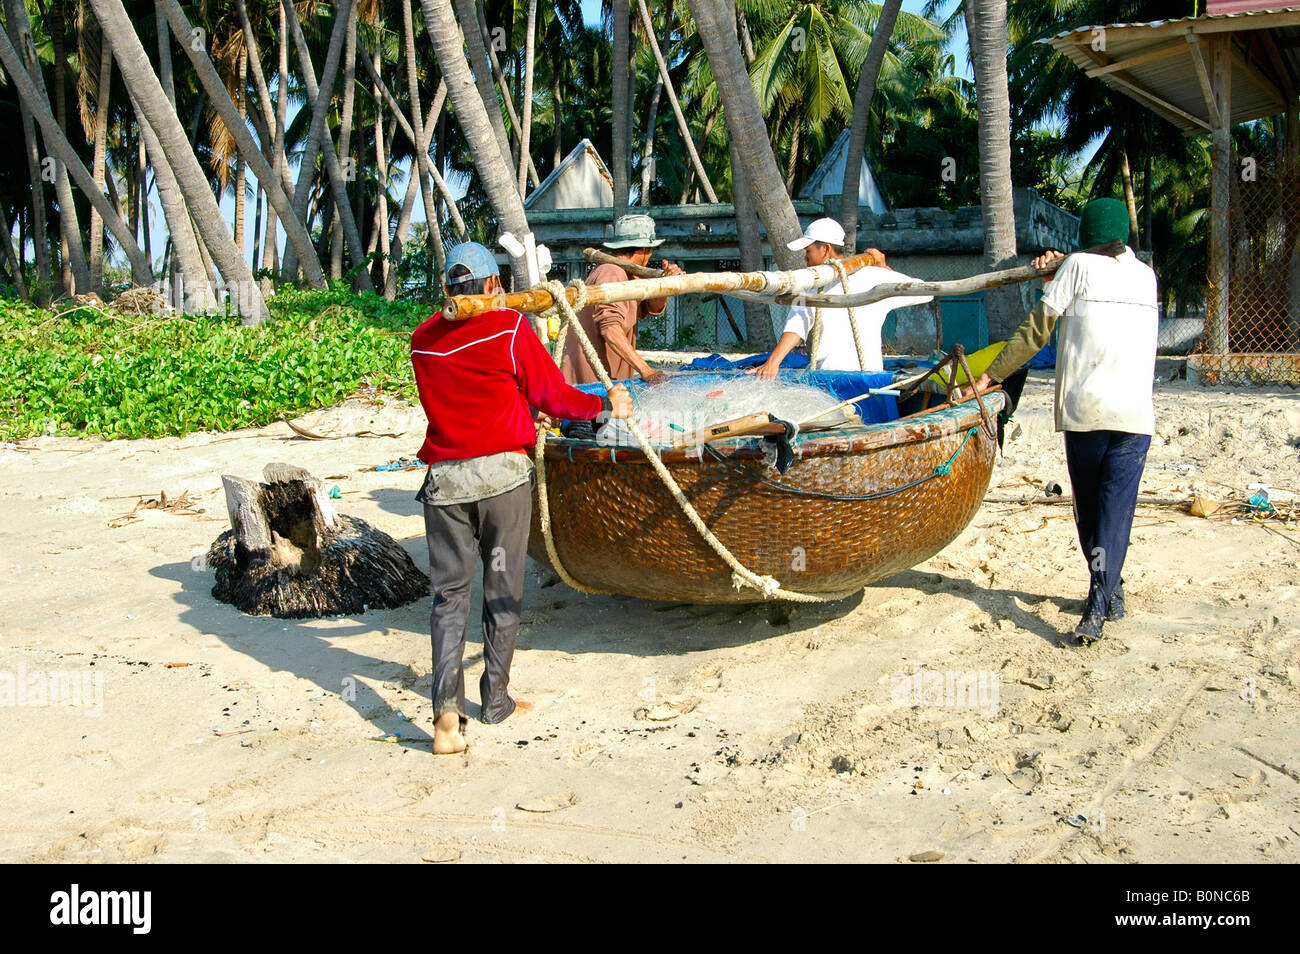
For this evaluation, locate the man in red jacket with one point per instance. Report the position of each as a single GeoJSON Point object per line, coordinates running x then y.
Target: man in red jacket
{"type": "Point", "coordinates": [478, 381]}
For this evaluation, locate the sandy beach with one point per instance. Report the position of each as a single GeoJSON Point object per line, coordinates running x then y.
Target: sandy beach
{"type": "Point", "coordinates": [660, 732]}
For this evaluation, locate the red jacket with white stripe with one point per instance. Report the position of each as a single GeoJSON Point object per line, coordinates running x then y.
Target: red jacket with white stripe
{"type": "Point", "coordinates": [476, 379]}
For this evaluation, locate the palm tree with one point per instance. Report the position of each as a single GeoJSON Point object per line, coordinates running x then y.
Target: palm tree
{"type": "Point", "coordinates": [666, 80]}
{"type": "Point", "coordinates": [94, 89]}
{"type": "Point", "coordinates": [320, 143]}
{"type": "Point", "coordinates": [174, 149]}
{"type": "Point", "coordinates": [478, 44]}
{"type": "Point", "coordinates": [715, 22]}
{"type": "Point", "coordinates": [622, 94]}
{"type": "Point", "coordinates": [986, 26]}
{"type": "Point", "coordinates": [74, 255]}
{"type": "Point", "coordinates": [490, 160]}
{"type": "Point", "coordinates": [861, 115]}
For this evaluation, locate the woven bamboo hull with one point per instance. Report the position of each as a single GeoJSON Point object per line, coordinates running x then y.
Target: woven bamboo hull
{"type": "Point", "coordinates": [618, 530]}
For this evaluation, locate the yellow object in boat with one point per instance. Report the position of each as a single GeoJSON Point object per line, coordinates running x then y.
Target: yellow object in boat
{"type": "Point", "coordinates": [979, 362]}
{"type": "Point", "coordinates": [553, 328]}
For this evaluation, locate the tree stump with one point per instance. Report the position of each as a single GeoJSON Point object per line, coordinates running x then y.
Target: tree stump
{"type": "Point", "coordinates": [289, 554]}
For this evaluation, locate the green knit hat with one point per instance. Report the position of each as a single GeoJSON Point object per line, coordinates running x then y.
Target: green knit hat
{"type": "Point", "coordinates": [1102, 221]}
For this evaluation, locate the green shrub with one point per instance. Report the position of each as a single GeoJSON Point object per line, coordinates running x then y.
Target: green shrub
{"type": "Point", "coordinates": [87, 372]}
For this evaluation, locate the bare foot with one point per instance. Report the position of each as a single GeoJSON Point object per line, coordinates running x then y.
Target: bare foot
{"type": "Point", "coordinates": [447, 737]}
{"type": "Point", "coordinates": [522, 705]}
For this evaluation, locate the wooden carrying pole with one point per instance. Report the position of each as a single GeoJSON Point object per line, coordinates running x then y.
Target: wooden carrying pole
{"type": "Point", "coordinates": [959, 286]}
{"type": "Point", "coordinates": [779, 287]}
{"type": "Point", "coordinates": [460, 307]}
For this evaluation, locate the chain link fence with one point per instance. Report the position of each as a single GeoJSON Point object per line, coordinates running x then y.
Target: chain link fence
{"type": "Point", "coordinates": [1252, 326]}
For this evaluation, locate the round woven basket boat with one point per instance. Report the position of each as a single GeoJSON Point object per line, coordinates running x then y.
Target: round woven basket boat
{"type": "Point", "coordinates": [618, 530]}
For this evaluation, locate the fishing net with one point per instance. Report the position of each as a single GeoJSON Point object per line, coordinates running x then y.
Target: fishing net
{"type": "Point", "coordinates": [690, 402]}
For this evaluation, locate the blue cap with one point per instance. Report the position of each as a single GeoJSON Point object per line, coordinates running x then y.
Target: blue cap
{"type": "Point", "coordinates": [475, 257]}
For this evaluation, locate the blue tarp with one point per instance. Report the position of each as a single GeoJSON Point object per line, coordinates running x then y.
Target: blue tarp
{"type": "Point", "coordinates": [1044, 359]}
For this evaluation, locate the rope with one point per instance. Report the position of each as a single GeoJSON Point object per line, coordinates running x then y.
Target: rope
{"type": "Point", "coordinates": [853, 314]}
{"type": "Point", "coordinates": [740, 574]}
{"type": "Point", "coordinates": [815, 333]}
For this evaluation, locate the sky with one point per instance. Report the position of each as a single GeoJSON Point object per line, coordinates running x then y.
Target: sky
{"type": "Point", "coordinates": [591, 11]}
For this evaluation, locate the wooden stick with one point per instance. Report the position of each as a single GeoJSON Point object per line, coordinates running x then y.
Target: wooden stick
{"type": "Point", "coordinates": [723, 430]}
{"type": "Point", "coordinates": [597, 257]}
{"type": "Point", "coordinates": [960, 286]}
{"type": "Point", "coordinates": [460, 307]}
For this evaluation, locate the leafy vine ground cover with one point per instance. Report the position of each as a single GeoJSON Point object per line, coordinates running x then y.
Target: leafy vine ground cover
{"type": "Point", "coordinates": [92, 372]}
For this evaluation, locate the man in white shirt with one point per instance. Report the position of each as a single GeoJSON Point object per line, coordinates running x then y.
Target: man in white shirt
{"type": "Point", "coordinates": [1105, 366]}
{"type": "Point", "coordinates": [822, 242]}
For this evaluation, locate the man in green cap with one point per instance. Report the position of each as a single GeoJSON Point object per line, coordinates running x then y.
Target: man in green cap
{"type": "Point", "coordinates": [1105, 367]}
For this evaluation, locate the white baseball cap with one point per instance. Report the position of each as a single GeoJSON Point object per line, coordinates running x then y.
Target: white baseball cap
{"type": "Point", "coordinates": [821, 230]}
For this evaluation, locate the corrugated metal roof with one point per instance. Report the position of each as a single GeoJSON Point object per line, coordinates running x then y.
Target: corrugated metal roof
{"type": "Point", "coordinates": [1203, 18]}
{"type": "Point", "coordinates": [1162, 72]}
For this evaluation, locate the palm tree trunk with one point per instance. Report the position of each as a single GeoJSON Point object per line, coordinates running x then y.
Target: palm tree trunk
{"type": "Point", "coordinates": [59, 29]}
{"type": "Point", "coordinates": [142, 173]}
{"type": "Point", "coordinates": [621, 147]}
{"type": "Point", "coordinates": [704, 137]}
{"type": "Point", "coordinates": [1130, 193]}
{"type": "Point", "coordinates": [281, 121]}
{"type": "Point", "coordinates": [345, 134]}
{"type": "Point", "coordinates": [494, 172]}
{"type": "Point", "coordinates": [862, 119]}
{"type": "Point", "coordinates": [175, 150]}
{"type": "Point", "coordinates": [193, 292]}
{"type": "Point", "coordinates": [557, 125]}
{"type": "Point", "coordinates": [318, 141]}
{"type": "Point", "coordinates": [11, 260]}
{"type": "Point", "coordinates": [759, 333]}
{"type": "Point", "coordinates": [241, 104]}
{"type": "Point", "coordinates": [381, 174]}
{"type": "Point", "coordinates": [421, 140]}
{"type": "Point", "coordinates": [34, 96]}
{"type": "Point", "coordinates": [215, 88]}
{"type": "Point", "coordinates": [986, 26]}
{"type": "Point", "coordinates": [40, 228]}
{"type": "Point", "coordinates": [477, 43]}
{"type": "Point", "coordinates": [98, 162]}
{"type": "Point", "coordinates": [648, 151]}
{"type": "Point", "coordinates": [716, 22]}
{"type": "Point", "coordinates": [526, 127]}
{"type": "Point", "coordinates": [58, 34]}
{"type": "Point", "coordinates": [792, 160]}
{"type": "Point", "coordinates": [265, 117]}
{"type": "Point", "coordinates": [682, 126]}
{"type": "Point", "coordinates": [506, 99]}
{"type": "Point", "coordinates": [257, 231]}
{"type": "Point", "coordinates": [420, 179]}
{"type": "Point", "coordinates": [76, 273]}
{"type": "Point", "coordinates": [420, 184]}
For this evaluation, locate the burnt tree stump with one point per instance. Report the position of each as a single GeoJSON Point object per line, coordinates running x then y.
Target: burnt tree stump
{"type": "Point", "coordinates": [289, 554]}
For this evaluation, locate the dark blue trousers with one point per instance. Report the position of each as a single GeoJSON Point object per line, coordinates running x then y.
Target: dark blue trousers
{"type": "Point", "coordinates": [1105, 470]}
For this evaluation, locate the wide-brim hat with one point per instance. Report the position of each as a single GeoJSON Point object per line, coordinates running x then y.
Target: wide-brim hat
{"type": "Point", "coordinates": [632, 231]}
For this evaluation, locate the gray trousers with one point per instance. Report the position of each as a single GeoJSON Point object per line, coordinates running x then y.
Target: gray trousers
{"type": "Point", "coordinates": [493, 532]}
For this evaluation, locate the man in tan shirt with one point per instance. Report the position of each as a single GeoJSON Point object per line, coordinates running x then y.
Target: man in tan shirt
{"type": "Point", "coordinates": [612, 326]}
